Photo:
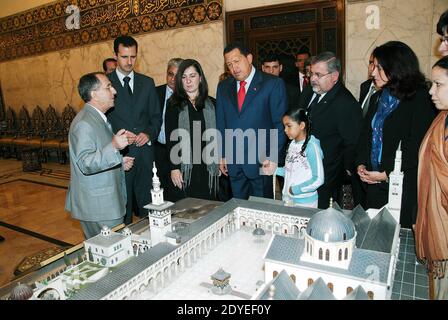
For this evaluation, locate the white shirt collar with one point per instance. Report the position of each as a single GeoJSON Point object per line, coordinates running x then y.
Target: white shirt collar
{"type": "Point", "coordinates": [121, 77]}
{"type": "Point", "coordinates": [248, 80]}
{"type": "Point", "coordinates": [103, 116]}
{"type": "Point", "coordinates": [168, 91]}
{"type": "Point", "coordinates": [320, 98]}
{"type": "Point", "coordinates": [301, 76]}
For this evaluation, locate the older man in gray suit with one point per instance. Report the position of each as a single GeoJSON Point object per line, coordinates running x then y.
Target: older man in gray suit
{"type": "Point", "coordinates": [97, 190]}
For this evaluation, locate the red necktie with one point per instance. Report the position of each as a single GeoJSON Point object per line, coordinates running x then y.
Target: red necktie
{"type": "Point", "coordinates": [305, 82]}
{"type": "Point", "coordinates": [241, 95]}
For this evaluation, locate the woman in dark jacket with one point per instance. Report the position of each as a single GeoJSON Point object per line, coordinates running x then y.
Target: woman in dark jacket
{"type": "Point", "coordinates": [400, 112]}
{"type": "Point", "coordinates": [190, 126]}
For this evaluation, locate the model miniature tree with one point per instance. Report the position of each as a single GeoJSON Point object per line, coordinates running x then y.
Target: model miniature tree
{"type": "Point", "coordinates": [66, 260]}
{"type": "Point", "coordinates": [79, 257]}
{"type": "Point", "coordinates": [90, 255]}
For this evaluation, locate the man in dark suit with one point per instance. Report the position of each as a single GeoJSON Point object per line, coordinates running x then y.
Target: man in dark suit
{"type": "Point", "coordinates": [336, 121]}
{"type": "Point", "coordinates": [109, 65]}
{"type": "Point", "coordinates": [301, 56]}
{"type": "Point", "coordinates": [249, 104]}
{"type": "Point", "coordinates": [137, 110]}
{"type": "Point", "coordinates": [162, 156]}
{"type": "Point", "coordinates": [366, 91]}
{"type": "Point", "coordinates": [271, 64]}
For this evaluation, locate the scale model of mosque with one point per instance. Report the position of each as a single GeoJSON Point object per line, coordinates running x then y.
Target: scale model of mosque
{"type": "Point", "coordinates": [312, 254]}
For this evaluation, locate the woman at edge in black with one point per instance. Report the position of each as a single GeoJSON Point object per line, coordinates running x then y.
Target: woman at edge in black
{"type": "Point", "coordinates": [400, 111]}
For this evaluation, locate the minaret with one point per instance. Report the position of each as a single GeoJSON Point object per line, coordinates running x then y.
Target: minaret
{"type": "Point", "coordinates": [156, 192]}
{"type": "Point", "coordinates": [396, 187]}
{"type": "Point", "coordinates": [159, 215]}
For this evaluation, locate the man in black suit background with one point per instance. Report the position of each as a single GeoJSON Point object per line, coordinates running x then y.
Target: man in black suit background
{"type": "Point", "coordinates": [162, 155]}
{"type": "Point", "coordinates": [109, 65]}
{"type": "Point", "coordinates": [137, 110]}
{"type": "Point", "coordinates": [336, 121]}
{"type": "Point", "coordinates": [366, 91]}
{"type": "Point", "coordinates": [271, 64]}
{"type": "Point", "coordinates": [301, 56]}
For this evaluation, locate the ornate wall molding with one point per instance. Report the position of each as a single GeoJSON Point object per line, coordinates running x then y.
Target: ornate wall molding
{"type": "Point", "coordinates": [43, 29]}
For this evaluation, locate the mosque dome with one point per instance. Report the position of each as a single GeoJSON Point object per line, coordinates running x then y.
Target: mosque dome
{"type": "Point", "coordinates": [330, 225]}
{"type": "Point", "coordinates": [21, 292]}
{"type": "Point", "coordinates": [258, 232]}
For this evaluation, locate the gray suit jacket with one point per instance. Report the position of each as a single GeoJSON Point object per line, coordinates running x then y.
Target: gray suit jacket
{"type": "Point", "coordinates": [97, 189]}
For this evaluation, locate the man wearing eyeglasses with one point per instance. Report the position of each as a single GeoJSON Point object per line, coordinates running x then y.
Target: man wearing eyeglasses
{"type": "Point", "coordinates": [335, 120]}
{"type": "Point", "coordinates": [442, 29]}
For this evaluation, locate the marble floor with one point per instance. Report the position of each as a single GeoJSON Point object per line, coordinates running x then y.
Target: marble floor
{"type": "Point", "coordinates": [32, 215]}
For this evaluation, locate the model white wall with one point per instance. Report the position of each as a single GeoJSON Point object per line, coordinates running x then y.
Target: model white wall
{"type": "Point", "coordinates": [340, 284]}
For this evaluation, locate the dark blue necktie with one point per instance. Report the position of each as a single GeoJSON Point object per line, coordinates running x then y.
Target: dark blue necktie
{"type": "Point", "coordinates": [127, 86]}
{"type": "Point", "coordinates": [314, 102]}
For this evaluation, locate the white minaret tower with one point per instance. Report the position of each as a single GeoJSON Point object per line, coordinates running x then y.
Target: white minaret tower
{"type": "Point", "coordinates": [156, 192]}
{"type": "Point", "coordinates": [159, 216]}
{"type": "Point", "coordinates": [396, 187]}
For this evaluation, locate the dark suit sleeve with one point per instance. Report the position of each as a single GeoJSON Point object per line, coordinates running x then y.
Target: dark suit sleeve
{"type": "Point", "coordinates": [362, 156]}
{"type": "Point", "coordinates": [365, 137]}
{"type": "Point", "coordinates": [349, 127]}
{"type": "Point", "coordinates": [423, 115]}
{"type": "Point", "coordinates": [153, 109]}
{"type": "Point", "coordinates": [278, 107]}
{"type": "Point", "coordinates": [220, 117]}
{"type": "Point", "coordinates": [363, 90]}
{"type": "Point", "coordinates": [171, 124]}
{"type": "Point", "coordinates": [293, 93]}
{"type": "Point", "coordinates": [161, 90]}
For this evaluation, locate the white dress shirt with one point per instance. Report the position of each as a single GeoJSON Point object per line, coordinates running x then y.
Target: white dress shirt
{"type": "Point", "coordinates": [161, 138]}
{"type": "Point", "coordinates": [121, 77]}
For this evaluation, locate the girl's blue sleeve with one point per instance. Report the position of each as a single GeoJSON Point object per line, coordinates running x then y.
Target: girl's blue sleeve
{"type": "Point", "coordinates": [314, 157]}
{"type": "Point", "coordinates": [280, 172]}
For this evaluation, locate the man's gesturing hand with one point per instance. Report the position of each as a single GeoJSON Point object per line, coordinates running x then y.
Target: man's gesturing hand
{"type": "Point", "coordinates": [120, 140]}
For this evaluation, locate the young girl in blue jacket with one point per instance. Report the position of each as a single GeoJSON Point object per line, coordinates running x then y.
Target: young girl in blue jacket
{"type": "Point", "coordinates": [303, 170]}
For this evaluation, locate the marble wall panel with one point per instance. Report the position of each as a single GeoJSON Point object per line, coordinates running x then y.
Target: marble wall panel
{"type": "Point", "coordinates": [409, 21]}
{"type": "Point", "coordinates": [53, 77]}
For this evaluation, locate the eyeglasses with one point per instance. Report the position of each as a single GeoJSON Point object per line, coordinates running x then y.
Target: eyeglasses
{"type": "Point", "coordinates": [444, 40]}
{"type": "Point", "coordinates": [318, 75]}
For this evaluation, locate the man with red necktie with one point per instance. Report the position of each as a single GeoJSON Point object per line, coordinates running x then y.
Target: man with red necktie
{"type": "Point", "coordinates": [301, 57]}
{"type": "Point", "coordinates": [249, 103]}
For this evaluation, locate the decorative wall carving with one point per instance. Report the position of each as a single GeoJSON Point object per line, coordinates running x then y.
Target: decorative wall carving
{"type": "Point", "coordinates": [284, 19]}
{"type": "Point", "coordinates": [287, 47]}
{"type": "Point", "coordinates": [43, 29]}
{"type": "Point", "coordinates": [284, 29]}
{"type": "Point", "coordinates": [2, 111]}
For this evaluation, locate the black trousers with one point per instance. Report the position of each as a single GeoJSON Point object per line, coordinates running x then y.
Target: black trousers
{"type": "Point", "coordinates": [325, 193]}
{"type": "Point", "coordinates": [359, 190]}
{"type": "Point", "coordinates": [139, 182]}
{"type": "Point", "coordinates": [163, 164]}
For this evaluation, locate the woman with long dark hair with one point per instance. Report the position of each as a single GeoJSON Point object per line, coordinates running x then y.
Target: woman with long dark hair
{"type": "Point", "coordinates": [401, 111]}
{"type": "Point", "coordinates": [190, 127]}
